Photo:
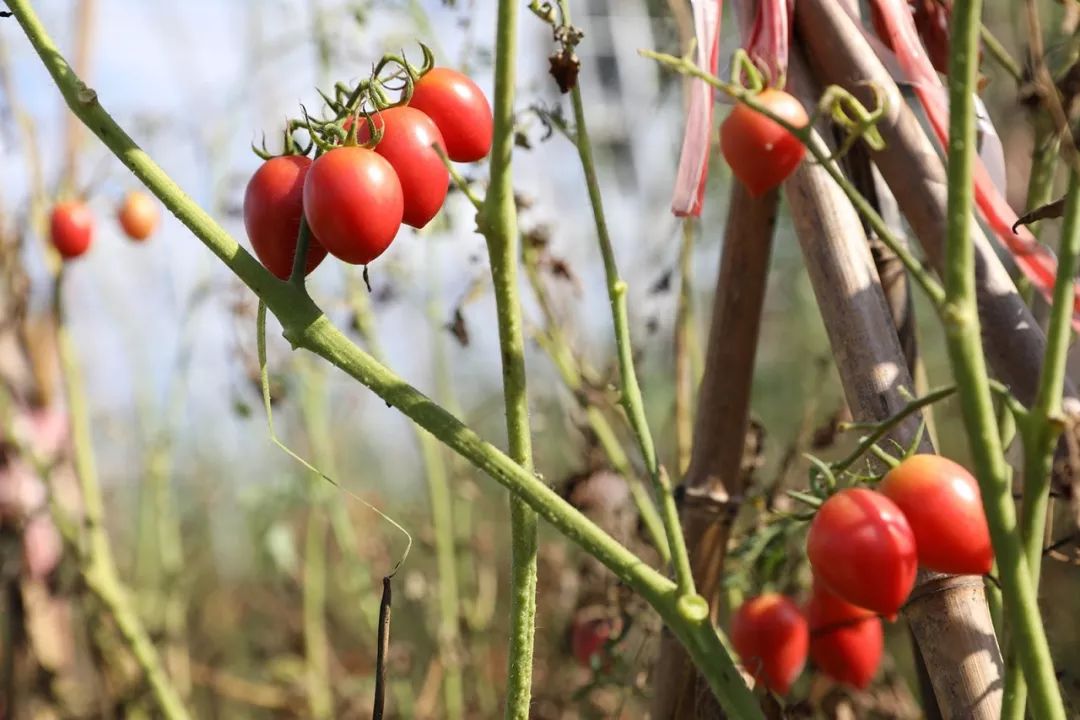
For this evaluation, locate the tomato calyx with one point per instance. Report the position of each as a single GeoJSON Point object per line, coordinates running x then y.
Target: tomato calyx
{"type": "Point", "coordinates": [289, 144]}
{"type": "Point", "coordinates": [746, 73]}
{"type": "Point", "coordinates": [406, 71]}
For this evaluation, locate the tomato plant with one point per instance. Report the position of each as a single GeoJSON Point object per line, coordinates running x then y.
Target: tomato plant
{"type": "Point", "coordinates": [588, 640]}
{"type": "Point", "coordinates": [353, 203]}
{"type": "Point", "coordinates": [771, 637]}
{"type": "Point", "coordinates": [846, 642]}
{"type": "Point", "coordinates": [273, 206]}
{"type": "Point", "coordinates": [459, 109]}
{"type": "Point", "coordinates": [942, 503]}
{"type": "Point", "coordinates": [762, 153]}
{"type": "Point", "coordinates": [71, 229]}
{"type": "Point", "coordinates": [138, 215]}
{"type": "Point", "coordinates": [406, 143]}
{"type": "Point", "coordinates": [862, 548]}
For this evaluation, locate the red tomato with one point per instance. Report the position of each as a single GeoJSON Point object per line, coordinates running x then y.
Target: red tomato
{"type": "Point", "coordinates": [459, 109]}
{"type": "Point", "coordinates": [408, 136]}
{"type": "Point", "coordinates": [273, 206]}
{"type": "Point", "coordinates": [760, 152]}
{"type": "Point", "coordinates": [942, 504]}
{"type": "Point", "coordinates": [846, 642]}
{"type": "Point", "coordinates": [138, 215]}
{"type": "Point", "coordinates": [71, 228]}
{"type": "Point", "coordinates": [932, 22]}
{"type": "Point", "coordinates": [353, 203]}
{"type": "Point", "coordinates": [771, 637]}
{"type": "Point", "coordinates": [588, 640]}
{"type": "Point", "coordinates": [862, 548]}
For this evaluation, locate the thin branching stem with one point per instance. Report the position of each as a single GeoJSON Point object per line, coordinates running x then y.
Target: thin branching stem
{"type": "Point", "coordinates": [498, 222]}
{"type": "Point", "coordinates": [631, 398]}
{"type": "Point", "coordinates": [962, 332]}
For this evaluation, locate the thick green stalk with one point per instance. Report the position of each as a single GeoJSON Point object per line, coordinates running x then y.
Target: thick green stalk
{"type": "Point", "coordinates": [631, 399]}
{"type": "Point", "coordinates": [1041, 428]}
{"type": "Point", "coordinates": [97, 565]}
{"type": "Point", "coordinates": [308, 328]}
{"type": "Point", "coordinates": [969, 367]}
{"type": "Point", "coordinates": [498, 221]}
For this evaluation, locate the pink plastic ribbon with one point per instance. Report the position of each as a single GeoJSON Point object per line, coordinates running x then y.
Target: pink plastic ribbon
{"type": "Point", "coordinates": [1036, 261]}
{"type": "Point", "coordinates": [697, 138]}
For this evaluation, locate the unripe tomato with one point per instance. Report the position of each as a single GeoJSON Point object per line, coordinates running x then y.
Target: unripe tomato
{"type": "Point", "coordinates": [353, 203]}
{"type": "Point", "coordinates": [760, 152]}
{"type": "Point", "coordinates": [846, 642]}
{"type": "Point", "coordinates": [273, 206]}
{"type": "Point", "coordinates": [138, 215]}
{"type": "Point", "coordinates": [406, 143]}
{"type": "Point", "coordinates": [770, 634]}
{"type": "Point", "coordinates": [942, 504]}
{"type": "Point", "coordinates": [588, 640]}
{"type": "Point", "coordinates": [459, 109]}
{"type": "Point", "coordinates": [862, 548]}
{"type": "Point", "coordinates": [71, 229]}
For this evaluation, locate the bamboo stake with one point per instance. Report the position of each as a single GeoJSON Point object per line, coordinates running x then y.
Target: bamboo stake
{"type": "Point", "coordinates": [715, 483]}
{"type": "Point", "coordinates": [949, 615]}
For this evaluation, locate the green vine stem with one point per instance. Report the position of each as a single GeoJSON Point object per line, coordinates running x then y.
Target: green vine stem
{"type": "Point", "coordinates": [1041, 427]}
{"type": "Point", "coordinates": [498, 223]}
{"type": "Point", "coordinates": [554, 343]}
{"type": "Point", "coordinates": [631, 399]}
{"type": "Point", "coordinates": [442, 523]}
{"type": "Point", "coordinates": [305, 326]}
{"type": "Point", "coordinates": [96, 563]}
{"type": "Point", "coordinates": [961, 322]}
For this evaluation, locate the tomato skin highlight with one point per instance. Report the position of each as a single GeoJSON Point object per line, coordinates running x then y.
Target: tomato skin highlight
{"type": "Point", "coordinates": [862, 548]}
{"type": "Point", "coordinates": [761, 153]}
{"type": "Point", "coordinates": [138, 215]}
{"type": "Point", "coordinates": [942, 503]}
{"type": "Point", "coordinates": [846, 642]}
{"type": "Point", "coordinates": [353, 203]}
{"type": "Point", "coordinates": [771, 637]}
{"type": "Point", "coordinates": [406, 143]}
{"type": "Point", "coordinates": [273, 206]}
{"type": "Point", "coordinates": [460, 111]}
{"type": "Point", "coordinates": [71, 229]}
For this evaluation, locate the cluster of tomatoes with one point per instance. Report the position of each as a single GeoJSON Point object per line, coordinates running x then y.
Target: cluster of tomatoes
{"type": "Point", "coordinates": [865, 547]}
{"type": "Point", "coordinates": [760, 151]}
{"type": "Point", "coordinates": [371, 173]}
{"type": "Point", "coordinates": [71, 224]}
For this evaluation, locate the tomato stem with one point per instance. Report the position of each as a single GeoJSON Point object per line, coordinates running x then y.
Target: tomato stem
{"type": "Point", "coordinates": [962, 332]}
{"type": "Point", "coordinates": [631, 399]}
{"type": "Point", "coordinates": [498, 222]}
